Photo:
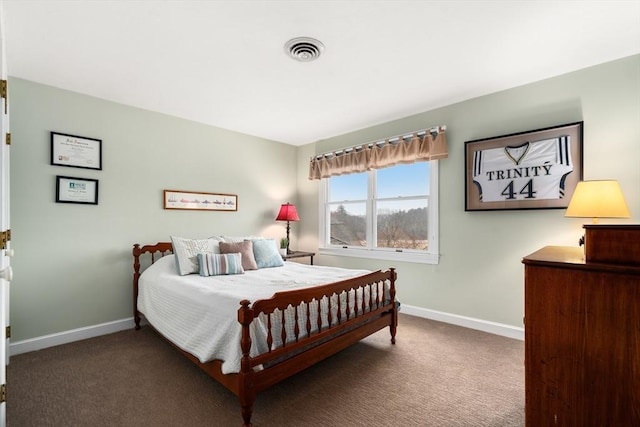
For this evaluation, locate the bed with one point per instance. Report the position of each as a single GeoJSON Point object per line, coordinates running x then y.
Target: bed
{"type": "Point", "coordinates": [269, 335]}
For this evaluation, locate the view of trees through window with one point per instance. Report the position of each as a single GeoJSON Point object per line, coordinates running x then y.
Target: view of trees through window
{"type": "Point", "coordinates": [399, 229]}
{"type": "Point", "coordinates": [380, 209]}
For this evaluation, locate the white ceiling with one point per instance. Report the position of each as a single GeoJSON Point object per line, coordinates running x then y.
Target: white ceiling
{"type": "Point", "coordinates": [223, 63]}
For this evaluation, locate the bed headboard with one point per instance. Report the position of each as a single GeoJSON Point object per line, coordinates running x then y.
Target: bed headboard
{"type": "Point", "coordinates": [158, 250]}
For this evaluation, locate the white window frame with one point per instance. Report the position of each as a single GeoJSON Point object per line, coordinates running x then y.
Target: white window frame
{"type": "Point", "coordinates": [430, 256]}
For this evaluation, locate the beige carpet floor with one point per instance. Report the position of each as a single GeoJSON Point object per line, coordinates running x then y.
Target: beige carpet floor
{"type": "Point", "coordinates": [436, 375]}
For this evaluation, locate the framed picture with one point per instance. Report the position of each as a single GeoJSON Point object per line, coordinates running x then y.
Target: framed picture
{"type": "Point", "coordinates": [193, 200]}
{"type": "Point", "coordinates": [76, 190]}
{"type": "Point", "coordinates": [76, 151]}
{"type": "Point", "coordinates": [537, 169]}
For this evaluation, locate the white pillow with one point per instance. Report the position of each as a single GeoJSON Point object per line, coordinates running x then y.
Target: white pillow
{"type": "Point", "coordinates": [186, 252]}
{"type": "Point", "coordinates": [234, 239]}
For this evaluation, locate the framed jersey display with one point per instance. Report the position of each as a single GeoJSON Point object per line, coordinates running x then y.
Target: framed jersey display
{"type": "Point", "coordinates": [537, 169]}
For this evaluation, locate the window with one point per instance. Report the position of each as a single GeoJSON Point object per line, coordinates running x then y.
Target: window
{"type": "Point", "coordinates": [389, 213]}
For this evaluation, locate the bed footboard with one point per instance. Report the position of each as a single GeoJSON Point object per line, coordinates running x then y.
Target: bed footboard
{"type": "Point", "coordinates": [305, 326]}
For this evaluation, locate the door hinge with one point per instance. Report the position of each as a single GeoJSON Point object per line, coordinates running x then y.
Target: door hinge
{"type": "Point", "coordinates": [5, 237]}
{"type": "Point", "coordinates": [3, 93]}
{"type": "Point", "coordinates": [7, 140]}
{"type": "Point", "coordinates": [8, 332]}
{"type": "Point", "coordinates": [3, 393]}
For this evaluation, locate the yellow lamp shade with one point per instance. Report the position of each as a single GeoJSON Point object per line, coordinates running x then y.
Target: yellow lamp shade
{"type": "Point", "coordinates": [598, 199]}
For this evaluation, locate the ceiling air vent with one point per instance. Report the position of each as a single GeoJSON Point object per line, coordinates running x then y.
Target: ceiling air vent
{"type": "Point", "coordinates": [304, 49]}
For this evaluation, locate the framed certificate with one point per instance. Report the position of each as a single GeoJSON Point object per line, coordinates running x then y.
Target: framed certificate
{"type": "Point", "coordinates": [76, 190]}
{"type": "Point", "coordinates": [76, 151]}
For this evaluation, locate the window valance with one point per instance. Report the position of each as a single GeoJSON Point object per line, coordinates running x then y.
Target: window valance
{"type": "Point", "coordinates": [428, 144]}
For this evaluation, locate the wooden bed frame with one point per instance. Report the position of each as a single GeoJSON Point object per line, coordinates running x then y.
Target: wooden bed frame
{"type": "Point", "coordinates": [291, 358]}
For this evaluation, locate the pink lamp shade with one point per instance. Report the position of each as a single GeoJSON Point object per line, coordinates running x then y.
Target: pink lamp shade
{"type": "Point", "coordinates": [288, 212]}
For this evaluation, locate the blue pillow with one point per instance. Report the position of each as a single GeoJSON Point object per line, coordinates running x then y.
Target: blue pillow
{"type": "Point", "coordinates": [218, 264]}
{"type": "Point", "coordinates": [265, 251]}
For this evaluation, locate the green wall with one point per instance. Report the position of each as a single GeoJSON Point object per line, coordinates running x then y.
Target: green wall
{"type": "Point", "coordinates": [480, 274]}
{"type": "Point", "coordinates": [73, 264]}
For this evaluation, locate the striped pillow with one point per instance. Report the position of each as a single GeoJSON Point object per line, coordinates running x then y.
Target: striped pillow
{"type": "Point", "coordinates": [218, 264]}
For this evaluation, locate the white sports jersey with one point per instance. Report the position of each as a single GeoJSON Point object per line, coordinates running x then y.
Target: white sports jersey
{"type": "Point", "coordinates": [531, 171]}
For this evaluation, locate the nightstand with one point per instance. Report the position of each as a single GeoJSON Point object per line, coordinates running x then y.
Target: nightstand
{"type": "Point", "coordinates": [299, 254]}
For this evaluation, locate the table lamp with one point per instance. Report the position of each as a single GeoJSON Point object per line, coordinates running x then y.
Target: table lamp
{"type": "Point", "coordinates": [288, 213]}
{"type": "Point", "coordinates": [597, 199]}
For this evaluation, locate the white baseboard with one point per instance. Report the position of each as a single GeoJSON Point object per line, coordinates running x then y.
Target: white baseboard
{"type": "Point", "coordinates": [467, 322]}
{"type": "Point", "coordinates": [39, 343]}
{"type": "Point", "coordinates": [60, 338]}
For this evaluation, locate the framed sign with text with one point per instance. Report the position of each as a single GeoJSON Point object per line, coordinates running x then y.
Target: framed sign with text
{"type": "Point", "coordinates": [76, 151]}
{"type": "Point", "coordinates": [537, 169]}
{"type": "Point", "coordinates": [76, 190]}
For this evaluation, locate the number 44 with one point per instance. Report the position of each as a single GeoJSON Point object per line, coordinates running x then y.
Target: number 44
{"type": "Point", "coordinates": [526, 190]}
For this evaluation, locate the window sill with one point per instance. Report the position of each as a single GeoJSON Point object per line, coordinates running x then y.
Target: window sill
{"type": "Point", "coordinates": [383, 255]}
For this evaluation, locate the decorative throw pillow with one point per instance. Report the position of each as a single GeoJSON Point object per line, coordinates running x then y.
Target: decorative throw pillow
{"type": "Point", "coordinates": [217, 264]}
{"type": "Point", "coordinates": [186, 252]}
{"type": "Point", "coordinates": [245, 248]}
{"type": "Point", "coordinates": [266, 253]}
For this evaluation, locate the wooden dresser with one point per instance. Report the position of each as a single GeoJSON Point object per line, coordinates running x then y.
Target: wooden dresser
{"type": "Point", "coordinates": [582, 331]}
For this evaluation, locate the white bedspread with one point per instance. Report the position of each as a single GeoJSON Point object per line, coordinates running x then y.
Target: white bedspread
{"type": "Point", "coordinates": [199, 314]}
